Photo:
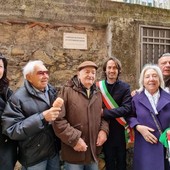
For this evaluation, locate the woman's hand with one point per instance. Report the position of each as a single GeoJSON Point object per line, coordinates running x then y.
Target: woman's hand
{"type": "Point", "coordinates": [146, 133]}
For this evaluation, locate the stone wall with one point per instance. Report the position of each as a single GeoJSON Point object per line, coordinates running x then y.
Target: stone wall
{"type": "Point", "coordinates": [34, 30]}
{"type": "Point", "coordinates": [29, 41]}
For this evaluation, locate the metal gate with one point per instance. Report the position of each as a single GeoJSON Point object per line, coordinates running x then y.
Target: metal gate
{"type": "Point", "coordinates": [154, 42]}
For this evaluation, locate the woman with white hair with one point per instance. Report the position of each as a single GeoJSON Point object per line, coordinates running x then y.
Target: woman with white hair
{"type": "Point", "coordinates": [149, 118]}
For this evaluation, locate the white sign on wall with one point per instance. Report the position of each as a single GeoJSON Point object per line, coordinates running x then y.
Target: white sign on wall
{"type": "Point", "coordinates": [75, 41]}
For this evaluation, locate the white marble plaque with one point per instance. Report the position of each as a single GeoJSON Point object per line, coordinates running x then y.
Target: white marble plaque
{"type": "Point", "coordinates": [75, 41]}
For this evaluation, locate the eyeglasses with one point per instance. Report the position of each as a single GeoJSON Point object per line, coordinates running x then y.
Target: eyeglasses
{"type": "Point", "coordinates": [42, 72]}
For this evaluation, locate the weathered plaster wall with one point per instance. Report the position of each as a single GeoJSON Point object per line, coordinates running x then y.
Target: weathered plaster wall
{"type": "Point", "coordinates": [34, 30]}
{"type": "Point", "coordinates": [23, 42]}
{"type": "Point", "coordinates": [124, 23]}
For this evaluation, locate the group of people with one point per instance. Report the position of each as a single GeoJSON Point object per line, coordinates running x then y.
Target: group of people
{"type": "Point", "coordinates": [150, 116]}
{"type": "Point", "coordinates": [92, 118]}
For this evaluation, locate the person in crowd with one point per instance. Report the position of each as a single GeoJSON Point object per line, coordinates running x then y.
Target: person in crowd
{"type": "Point", "coordinates": [149, 118]}
{"type": "Point", "coordinates": [28, 116]}
{"type": "Point", "coordinates": [164, 65]}
{"type": "Point", "coordinates": [117, 105]}
{"type": "Point", "coordinates": [8, 147]}
{"type": "Point", "coordinates": [80, 125]}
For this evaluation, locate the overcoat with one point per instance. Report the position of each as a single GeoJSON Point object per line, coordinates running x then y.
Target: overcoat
{"type": "Point", "coordinates": [80, 117]}
{"type": "Point", "coordinates": [8, 147]}
{"type": "Point", "coordinates": [149, 156]}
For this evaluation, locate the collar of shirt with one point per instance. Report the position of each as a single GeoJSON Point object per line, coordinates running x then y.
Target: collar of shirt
{"type": "Point", "coordinates": [167, 89]}
{"type": "Point", "coordinates": [43, 94]}
{"type": "Point", "coordinates": [153, 99]}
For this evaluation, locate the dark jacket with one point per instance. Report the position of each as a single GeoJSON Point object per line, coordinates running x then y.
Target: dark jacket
{"type": "Point", "coordinates": [120, 91]}
{"type": "Point", "coordinates": [167, 81]}
{"type": "Point", "coordinates": [22, 120]}
{"type": "Point", "coordinates": [149, 156]}
{"type": "Point", "coordinates": [8, 147]}
{"type": "Point", "coordinates": [80, 117]}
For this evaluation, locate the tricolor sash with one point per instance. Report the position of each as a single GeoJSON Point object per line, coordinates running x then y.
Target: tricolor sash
{"type": "Point", "coordinates": [110, 103]}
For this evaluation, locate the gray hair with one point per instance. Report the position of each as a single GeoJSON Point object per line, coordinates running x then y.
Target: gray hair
{"type": "Point", "coordinates": [29, 67]}
{"type": "Point", "coordinates": [145, 68]}
{"type": "Point", "coordinates": [165, 55]}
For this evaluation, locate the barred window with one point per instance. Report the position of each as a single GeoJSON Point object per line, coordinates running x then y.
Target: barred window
{"type": "Point", "coordinates": [154, 42]}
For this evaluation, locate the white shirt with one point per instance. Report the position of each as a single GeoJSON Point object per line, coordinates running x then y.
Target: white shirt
{"type": "Point", "coordinates": [153, 99]}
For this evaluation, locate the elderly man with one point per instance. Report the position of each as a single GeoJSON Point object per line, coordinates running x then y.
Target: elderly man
{"type": "Point", "coordinates": [27, 118]}
{"type": "Point", "coordinates": [80, 125]}
{"type": "Point", "coordinates": [164, 65]}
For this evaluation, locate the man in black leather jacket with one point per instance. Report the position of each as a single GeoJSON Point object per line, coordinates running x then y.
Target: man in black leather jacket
{"type": "Point", "coordinates": [28, 116]}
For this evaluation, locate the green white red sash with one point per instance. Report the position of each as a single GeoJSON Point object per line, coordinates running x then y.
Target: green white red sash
{"type": "Point", "coordinates": [110, 103]}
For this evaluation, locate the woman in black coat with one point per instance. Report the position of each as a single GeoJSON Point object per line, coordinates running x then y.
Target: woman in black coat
{"type": "Point", "coordinates": [8, 148]}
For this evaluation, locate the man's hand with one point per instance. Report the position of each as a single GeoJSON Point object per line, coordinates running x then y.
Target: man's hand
{"type": "Point", "coordinates": [102, 137]}
{"type": "Point", "coordinates": [80, 146]}
{"type": "Point", "coordinates": [51, 114]}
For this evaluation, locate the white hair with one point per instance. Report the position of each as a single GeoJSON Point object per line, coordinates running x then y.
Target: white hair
{"type": "Point", "coordinates": [29, 67]}
{"type": "Point", "coordinates": [145, 68]}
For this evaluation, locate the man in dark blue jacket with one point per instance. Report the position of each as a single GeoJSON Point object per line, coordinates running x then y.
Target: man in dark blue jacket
{"type": "Point", "coordinates": [28, 116]}
{"type": "Point", "coordinates": [117, 105]}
